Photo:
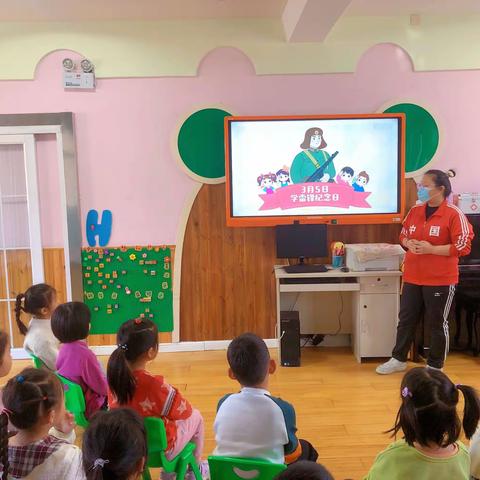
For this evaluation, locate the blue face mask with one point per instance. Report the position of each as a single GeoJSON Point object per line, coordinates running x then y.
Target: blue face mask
{"type": "Point", "coordinates": [423, 193]}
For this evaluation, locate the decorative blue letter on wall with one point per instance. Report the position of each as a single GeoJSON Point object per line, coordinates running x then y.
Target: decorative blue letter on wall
{"type": "Point", "coordinates": [103, 230]}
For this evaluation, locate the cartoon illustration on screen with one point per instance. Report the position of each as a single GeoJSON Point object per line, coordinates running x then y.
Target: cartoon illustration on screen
{"type": "Point", "coordinates": [267, 182]}
{"type": "Point", "coordinates": [361, 181]}
{"type": "Point", "coordinates": [283, 177]}
{"type": "Point", "coordinates": [313, 163]}
{"type": "Point", "coordinates": [313, 181]}
{"type": "Point", "coordinates": [345, 176]}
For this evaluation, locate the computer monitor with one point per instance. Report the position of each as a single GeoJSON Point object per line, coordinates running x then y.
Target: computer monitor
{"type": "Point", "coordinates": [301, 240]}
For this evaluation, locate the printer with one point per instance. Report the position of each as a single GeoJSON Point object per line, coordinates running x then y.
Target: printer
{"type": "Point", "coordinates": [363, 257]}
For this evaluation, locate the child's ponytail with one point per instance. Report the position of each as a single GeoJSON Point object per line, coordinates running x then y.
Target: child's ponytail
{"type": "Point", "coordinates": [134, 338]}
{"type": "Point", "coordinates": [471, 412]}
{"type": "Point", "coordinates": [114, 445]}
{"type": "Point", "coordinates": [119, 376]}
{"type": "Point", "coordinates": [4, 443]}
{"type": "Point", "coordinates": [18, 311]}
{"type": "Point", "coordinates": [94, 473]}
{"type": "Point", "coordinates": [34, 299]}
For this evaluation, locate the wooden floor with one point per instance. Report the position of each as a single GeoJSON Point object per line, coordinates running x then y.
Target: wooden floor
{"type": "Point", "coordinates": [342, 407]}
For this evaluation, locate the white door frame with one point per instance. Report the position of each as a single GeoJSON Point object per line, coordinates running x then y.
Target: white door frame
{"type": "Point", "coordinates": [34, 228]}
{"type": "Point", "coordinates": [27, 142]}
{"type": "Point", "coordinates": [60, 124]}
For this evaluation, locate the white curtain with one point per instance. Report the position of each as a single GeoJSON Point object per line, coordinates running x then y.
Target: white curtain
{"type": "Point", "coordinates": [13, 198]}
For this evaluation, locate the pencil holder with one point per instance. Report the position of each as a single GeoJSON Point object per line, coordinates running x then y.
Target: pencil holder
{"type": "Point", "coordinates": [337, 261]}
{"type": "Point", "coordinates": [338, 252]}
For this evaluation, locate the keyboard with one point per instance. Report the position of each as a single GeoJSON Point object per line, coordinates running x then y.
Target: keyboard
{"type": "Point", "coordinates": [315, 280]}
{"type": "Point", "coordinates": [306, 268]}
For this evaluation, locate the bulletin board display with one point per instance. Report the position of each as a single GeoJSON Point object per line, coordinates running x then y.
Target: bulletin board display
{"type": "Point", "coordinates": [122, 283]}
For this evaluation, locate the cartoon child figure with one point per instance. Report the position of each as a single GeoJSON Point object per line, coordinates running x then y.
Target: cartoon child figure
{"type": "Point", "coordinates": [345, 176]}
{"type": "Point", "coordinates": [360, 182]}
{"type": "Point", "coordinates": [267, 182]}
{"type": "Point", "coordinates": [283, 177]}
{"type": "Point", "coordinates": [311, 158]}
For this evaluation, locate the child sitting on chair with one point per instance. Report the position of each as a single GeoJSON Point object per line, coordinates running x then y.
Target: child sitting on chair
{"type": "Point", "coordinates": [252, 423]}
{"type": "Point", "coordinates": [115, 445]}
{"type": "Point", "coordinates": [39, 301]}
{"type": "Point", "coordinates": [131, 385]}
{"type": "Point", "coordinates": [71, 324]}
{"type": "Point", "coordinates": [33, 402]}
{"type": "Point", "coordinates": [63, 425]}
{"type": "Point", "coordinates": [429, 421]}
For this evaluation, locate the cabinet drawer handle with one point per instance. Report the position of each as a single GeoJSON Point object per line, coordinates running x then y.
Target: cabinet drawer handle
{"type": "Point", "coordinates": [364, 306]}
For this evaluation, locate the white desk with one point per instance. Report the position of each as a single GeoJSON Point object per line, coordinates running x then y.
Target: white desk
{"type": "Point", "coordinates": [374, 304]}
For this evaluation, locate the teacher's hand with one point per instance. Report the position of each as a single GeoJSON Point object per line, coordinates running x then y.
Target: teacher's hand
{"type": "Point", "coordinates": [411, 245]}
{"type": "Point", "coordinates": [421, 247]}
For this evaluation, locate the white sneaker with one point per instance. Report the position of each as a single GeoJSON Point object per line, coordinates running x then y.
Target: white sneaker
{"type": "Point", "coordinates": [392, 366]}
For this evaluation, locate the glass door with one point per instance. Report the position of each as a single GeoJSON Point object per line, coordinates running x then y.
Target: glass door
{"type": "Point", "coordinates": [21, 257]}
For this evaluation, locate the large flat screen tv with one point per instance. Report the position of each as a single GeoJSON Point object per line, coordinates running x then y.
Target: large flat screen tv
{"type": "Point", "coordinates": [315, 169]}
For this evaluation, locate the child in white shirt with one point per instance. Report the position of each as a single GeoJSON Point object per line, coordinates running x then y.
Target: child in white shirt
{"type": "Point", "coordinates": [39, 300]}
{"type": "Point", "coordinates": [253, 423]}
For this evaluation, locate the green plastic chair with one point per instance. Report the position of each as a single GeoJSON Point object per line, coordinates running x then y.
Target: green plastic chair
{"type": "Point", "coordinates": [230, 468]}
{"type": "Point", "coordinates": [37, 362]}
{"type": "Point", "coordinates": [157, 445]}
{"type": "Point", "coordinates": [74, 400]}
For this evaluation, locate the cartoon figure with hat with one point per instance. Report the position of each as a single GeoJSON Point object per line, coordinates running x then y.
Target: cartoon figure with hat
{"type": "Point", "coordinates": [312, 158]}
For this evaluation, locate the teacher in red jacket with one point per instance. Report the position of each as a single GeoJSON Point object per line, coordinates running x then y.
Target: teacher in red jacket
{"type": "Point", "coordinates": [435, 233]}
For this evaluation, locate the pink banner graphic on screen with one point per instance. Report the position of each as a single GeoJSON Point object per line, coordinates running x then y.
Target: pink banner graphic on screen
{"type": "Point", "coordinates": [308, 195]}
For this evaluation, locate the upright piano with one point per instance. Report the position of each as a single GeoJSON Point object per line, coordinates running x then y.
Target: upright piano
{"type": "Point", "coordinates": [467, 296]}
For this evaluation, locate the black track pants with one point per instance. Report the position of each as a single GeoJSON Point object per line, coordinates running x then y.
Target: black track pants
{"type": "Point", "coordinates": [435, 303]}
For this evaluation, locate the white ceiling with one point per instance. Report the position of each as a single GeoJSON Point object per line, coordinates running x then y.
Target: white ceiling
{"type": "Point", "coordinates": [408, 7]}
{"type": "Point", "coordinates": [80, 10]}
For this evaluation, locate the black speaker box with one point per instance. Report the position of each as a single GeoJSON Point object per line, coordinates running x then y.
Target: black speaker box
{"type": "Point", "coordinates": [290, 339]}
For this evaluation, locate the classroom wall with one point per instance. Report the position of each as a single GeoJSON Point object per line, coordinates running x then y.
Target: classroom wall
{"type": "Point", "coordinates": [127, 160]}
{"type": "Point", "coordinates": [126, 129]}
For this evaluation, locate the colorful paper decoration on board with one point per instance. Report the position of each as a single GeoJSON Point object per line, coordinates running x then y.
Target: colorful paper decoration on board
{"type": "Point", "coordinates": [127, 290]}
{"type": "Point", "coordinates": [201, 143]}
{"type": "Point", "coordinates": [101, 230]}
{"type": "Point", "coordinates": [421, 137]}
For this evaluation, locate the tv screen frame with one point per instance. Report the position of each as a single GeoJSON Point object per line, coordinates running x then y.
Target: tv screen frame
{"type": "Point", "coordinates": [352, 219]}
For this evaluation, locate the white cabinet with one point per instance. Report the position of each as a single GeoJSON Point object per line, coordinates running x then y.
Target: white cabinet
{"type": "Point", "coordinates": [375, 313]}
{"type": "Point", "coordinates": [374, 301]}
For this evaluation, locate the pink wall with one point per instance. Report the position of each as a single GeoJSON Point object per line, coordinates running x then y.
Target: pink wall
{"type": "Point", "coordinates": [125, 128]}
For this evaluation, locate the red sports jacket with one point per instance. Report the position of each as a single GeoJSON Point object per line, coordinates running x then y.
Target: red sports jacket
{"type": "Point", "coordinates": [448, 225]}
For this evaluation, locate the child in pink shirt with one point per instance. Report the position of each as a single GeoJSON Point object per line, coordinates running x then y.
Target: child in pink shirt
{"type": "Point", "coordinates": [71, 324]}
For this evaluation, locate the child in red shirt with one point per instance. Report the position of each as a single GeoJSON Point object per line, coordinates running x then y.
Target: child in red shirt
{"type": "Point", "coordinates": [131, 385]}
